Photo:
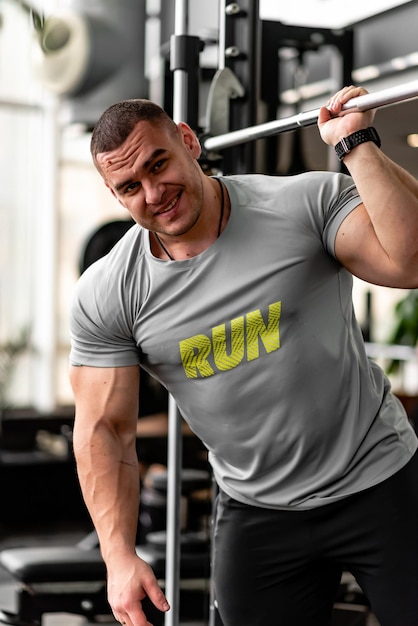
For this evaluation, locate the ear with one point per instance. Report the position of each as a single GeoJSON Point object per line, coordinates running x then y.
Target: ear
{"type": "Point", "coordinates": [189, 139]}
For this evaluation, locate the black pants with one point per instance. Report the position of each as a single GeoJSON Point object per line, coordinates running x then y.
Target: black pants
{"type": "Point", "coordinates": [283, 568]}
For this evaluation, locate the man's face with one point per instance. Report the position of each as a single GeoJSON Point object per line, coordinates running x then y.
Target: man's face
{"type": "Point", "coordinates": [155, 176]}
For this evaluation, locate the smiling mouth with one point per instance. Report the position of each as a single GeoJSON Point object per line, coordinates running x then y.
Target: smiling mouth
{"type": "Point", "coordinates": [170, 206]}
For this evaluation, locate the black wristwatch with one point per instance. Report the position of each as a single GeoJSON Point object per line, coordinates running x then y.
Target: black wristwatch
{"type": "Point", "coordinates": [346, 144]}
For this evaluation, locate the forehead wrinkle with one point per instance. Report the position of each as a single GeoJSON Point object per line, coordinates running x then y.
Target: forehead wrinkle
{"type": "Point", "coordinates": [136, 154]}
{"type": "Point", "coordinates": [119, 156]}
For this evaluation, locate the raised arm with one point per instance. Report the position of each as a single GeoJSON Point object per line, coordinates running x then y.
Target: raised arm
{"type": "Point", "coordinates": [106, 402]}
{"type": "Point", "coordinates": [378, 241]}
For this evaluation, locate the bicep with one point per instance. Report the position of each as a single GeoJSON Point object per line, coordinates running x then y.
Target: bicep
{"type": "Point", "coordinates": [105, 395]}
{"type": "Point", "coordinates": [359, 250]}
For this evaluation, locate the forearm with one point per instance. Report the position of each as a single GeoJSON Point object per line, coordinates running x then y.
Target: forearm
{"type": "Point", "coordinates": [108, 473]}
{"type": "Point", "coordinates": [104, 446]}
{"type": "Point", "coordinates": [106, 418]}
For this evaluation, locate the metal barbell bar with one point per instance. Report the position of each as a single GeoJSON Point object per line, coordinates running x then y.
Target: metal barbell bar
{"type": "Point", "coordinates": [384, 97]}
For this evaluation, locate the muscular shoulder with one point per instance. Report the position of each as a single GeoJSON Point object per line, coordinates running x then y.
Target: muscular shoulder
{"type": "Point", "coordinates": [105, 303]}
{"type": "Point", "coordinates": [320, 188]}
{"type": "Point", "coordinates": [314, 201]}
{"type": "Point", "coordinates": [117, 269]}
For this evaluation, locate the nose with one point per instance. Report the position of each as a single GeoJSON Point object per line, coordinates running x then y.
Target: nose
{"type": "Point", "coordinates": [153, 192]}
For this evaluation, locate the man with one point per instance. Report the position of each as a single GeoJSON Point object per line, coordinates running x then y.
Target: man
{"type": "Point", "coordinates": [235, 293]}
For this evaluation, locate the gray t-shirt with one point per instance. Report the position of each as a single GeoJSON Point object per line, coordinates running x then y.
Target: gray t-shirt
{"type": "Point", "coordinates": [256, 340]}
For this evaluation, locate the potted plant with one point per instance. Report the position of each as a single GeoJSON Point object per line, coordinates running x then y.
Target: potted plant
{"type": "Point", "coordinates": [9, 351]}
{"type": "Point", "coordinates": [405, 331]}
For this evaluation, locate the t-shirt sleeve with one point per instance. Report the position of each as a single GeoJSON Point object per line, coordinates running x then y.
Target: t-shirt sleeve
{"type": "Point", "coordinates": [341, 198]}
{"type": "Point", "coordinates": [100, 324]}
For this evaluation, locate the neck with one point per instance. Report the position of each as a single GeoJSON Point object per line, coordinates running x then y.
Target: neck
{"type": "Point", "coordinates": [166, 250]}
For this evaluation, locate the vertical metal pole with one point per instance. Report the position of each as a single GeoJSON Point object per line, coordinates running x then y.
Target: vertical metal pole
{"type": "Point", "coordinates": [222, 35]}
{"type": "Point", "coordinates": [213, 617]}
{"type": "Point", "coordinates": [174, 461]}
{"type": "Point", "coordinates": [172, 561]}
{"type": "Point", "coordinates": [180, 113]}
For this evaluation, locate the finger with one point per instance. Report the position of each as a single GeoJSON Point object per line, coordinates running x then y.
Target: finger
{"type": "Point", "coordinates": [158, 598]}
{"type": "Point", "coordinates": [154, 592]}
{"type": "Point", "coordinates": [131, 620]}
{"type": "Point", "coordinates": [324, 115]}
{"type": "Point", "coordinates": [337, 101]}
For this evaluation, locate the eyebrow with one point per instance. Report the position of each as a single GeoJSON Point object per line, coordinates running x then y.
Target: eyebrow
{"type": "Point", "coordinates": [158, 152]}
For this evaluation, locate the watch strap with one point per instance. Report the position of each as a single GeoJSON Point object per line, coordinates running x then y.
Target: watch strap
{"type": "Point", "coordinates": [346, 144]}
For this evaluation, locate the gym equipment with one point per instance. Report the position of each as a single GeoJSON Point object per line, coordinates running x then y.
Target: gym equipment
{"type": "Point", "coordinates": [91, 54]}
{"type": "Point", "coordinates": [72, 579]}
{"type": "Point", "coordinates": [385, 97]}
{"type": "Point", "coordinates": [183, 88]}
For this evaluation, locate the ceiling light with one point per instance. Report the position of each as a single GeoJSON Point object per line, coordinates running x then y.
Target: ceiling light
{"type": "Point", "coordinates": [412, 140]}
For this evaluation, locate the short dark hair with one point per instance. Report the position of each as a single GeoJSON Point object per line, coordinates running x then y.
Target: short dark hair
{"type": "Point", "coordinates": [118, 121]}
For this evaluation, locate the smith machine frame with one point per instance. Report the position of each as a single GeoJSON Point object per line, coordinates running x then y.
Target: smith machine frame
{"type": "Point", "coordinates": [249, 73]}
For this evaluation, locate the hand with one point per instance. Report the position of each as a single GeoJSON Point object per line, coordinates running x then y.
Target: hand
{"type": "Point", "coordinates": [333, 127]}
{"type": "Point", "coordinates": [128, 584]}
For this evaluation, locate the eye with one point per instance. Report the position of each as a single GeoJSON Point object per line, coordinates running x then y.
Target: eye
{"type": "Point", "coordinates": [131, 187]}
{"type": "Point", "coordinates": [158, 165]}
